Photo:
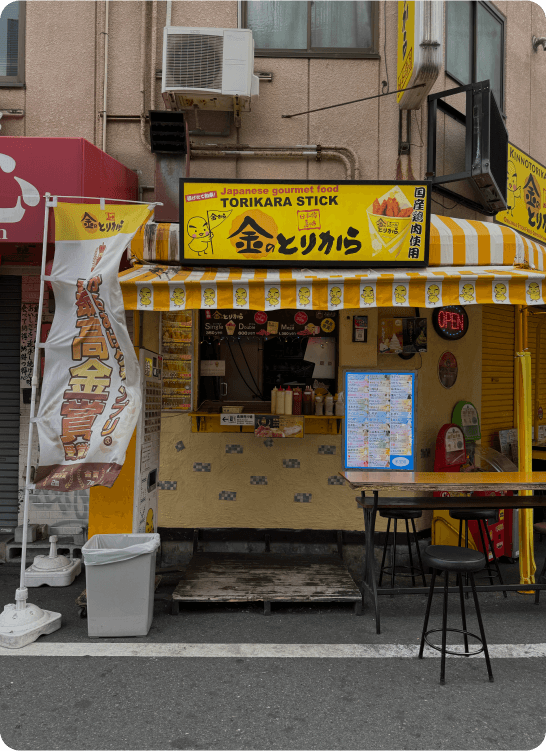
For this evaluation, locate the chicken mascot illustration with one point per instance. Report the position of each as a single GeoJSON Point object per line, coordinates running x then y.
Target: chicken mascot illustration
{"type": "Point", "coordinates": [209, 297]}
{"type": "Point", "coordinates": [467, 292]}
{"type": "Point", "coordinates": [199, 230]}
{"type": "Point", "coordinates": [335, 296]}
{"type": "Point", "coordinates": [240, 296]}
{"type": "Point", "coordinates": [500, 292]}
{"type": "Point", "coordinates": [367, 295]}
{"type": "Point", "coordinates": [304, 295]}
{"type": "Point", "coordinates": [272, 297]}
{"type": "Point", "coordinates": [533, 290]}
{"type": "Point", "coordinates": [433, 293]}
{"type": "Point", "coordinates": [400, 293]}
{"type": "Point", "coordinates": [145, 296]}
{"type": "Point", "coordinates": [179, 297]}
{"type": "Point", "coordinates": [514, 190]}
{"type": "Point", "coordinates": [149, 521]}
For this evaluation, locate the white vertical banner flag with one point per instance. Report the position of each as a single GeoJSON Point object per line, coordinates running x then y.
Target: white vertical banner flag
{"type": "Point", "coordinates": [90, 398]}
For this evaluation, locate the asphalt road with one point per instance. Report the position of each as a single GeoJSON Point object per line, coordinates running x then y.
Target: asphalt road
{"type": "Point", "coordinates": [275, 703]}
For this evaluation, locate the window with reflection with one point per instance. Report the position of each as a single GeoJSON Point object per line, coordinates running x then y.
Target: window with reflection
{"type": "Point", "coordinates": [12, 51]}
{"type": "Point", "coordinates": [330, 28]}
{"type": "Point", "coordinates": [475, 45]}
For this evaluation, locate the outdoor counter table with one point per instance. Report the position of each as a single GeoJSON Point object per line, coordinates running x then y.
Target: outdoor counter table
{"type": "Point", "coordinates": [411, 482]}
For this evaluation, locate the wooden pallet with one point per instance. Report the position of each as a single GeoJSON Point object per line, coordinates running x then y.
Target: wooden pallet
{"type": "Point", "coordinates": [267, 577]}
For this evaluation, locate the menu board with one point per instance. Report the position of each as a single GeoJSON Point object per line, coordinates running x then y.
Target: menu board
{"type": "Point", "coordinates": [379, 428]}
{"type": "Point", "coordinates": [176, 348]}
{"type": "Point", "coordinates": [285, 323]}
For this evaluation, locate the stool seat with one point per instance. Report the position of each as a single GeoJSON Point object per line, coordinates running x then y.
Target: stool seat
{"type": "Point", "coordinates": [540, 528]}
{"type": "Point", "coordinates": [392, 513]}
{"type": "Point", "coordinates": [473, 514]}
{"type": "Point", "coordinates": [449, 558]}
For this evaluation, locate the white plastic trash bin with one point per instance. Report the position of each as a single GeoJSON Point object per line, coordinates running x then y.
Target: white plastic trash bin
{"type": "Point", "coordinates": [120, 574]}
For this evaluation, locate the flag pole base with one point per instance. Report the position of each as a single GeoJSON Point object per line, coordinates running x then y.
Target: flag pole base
{"type": "Point", "coordinates": [22, 623]}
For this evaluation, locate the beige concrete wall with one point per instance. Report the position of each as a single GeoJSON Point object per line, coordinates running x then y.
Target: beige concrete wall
{"type": "Point", "coordinates": [64, 87]}
{"type": "Point", "coordinates": [198, 500]}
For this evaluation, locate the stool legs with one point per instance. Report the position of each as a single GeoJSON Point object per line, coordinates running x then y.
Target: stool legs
{"type": "Point", "coordinates": [486, 552]}
{"type": "Point", "coordinates": [495, 562]}
{"type": "Point", "coordinates": [422, 570]}
{"type": "Point", "coordinates": [412, 569]}
{"type": "Point", "coordinates": [427, 613]}
{"type": "Point", "coordinates": [393, 553]}
{"type": "Point", "coordinates": [463, 613]}
{"type": "Point", "coordinates": [480, 624]}
{"type": "Point", "coordinates": [408, 538]}
{"type": "Point", "coordinates": [384, 552]}
{"type": "Point", "coordinates": [444, 629]}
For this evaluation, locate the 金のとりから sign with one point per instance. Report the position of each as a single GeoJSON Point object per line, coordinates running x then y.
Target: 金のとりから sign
{"type": "Point", "coordinates": [298, 223]}
{"type": "Point", "coordinates": [525, 195]}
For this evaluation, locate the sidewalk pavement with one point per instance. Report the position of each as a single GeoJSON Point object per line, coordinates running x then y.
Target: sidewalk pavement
{"type": "Point", "coordinates": [293, 702]}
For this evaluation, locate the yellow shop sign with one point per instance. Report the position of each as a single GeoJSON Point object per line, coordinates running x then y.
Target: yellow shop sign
{"type": "Point", "coordinates": [525, 195]}
{"type": "Point", "coordinates": [298, 223]}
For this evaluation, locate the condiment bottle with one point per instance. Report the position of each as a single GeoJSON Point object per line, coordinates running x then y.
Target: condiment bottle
{"type": "Point", "coordinates": [329, 404]}
{"type": "Point", "coordinates": [340, 406]}
{"type": "Point", "coordinates": [296, 401]}
{"type": "Point", "coordinates": [288, 397]}
{"type": "Point", "coordinates": [274, 400]}
{"type": "Point", "coordinates": [280, 402]}
{"type": "Point", "coordinates": [308, 401]}
{"type": "Point", "coordinates": [318, 404]}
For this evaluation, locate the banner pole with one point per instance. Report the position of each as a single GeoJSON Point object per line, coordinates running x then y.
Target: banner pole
{"type": "Point", "coordinates": [23, 592]}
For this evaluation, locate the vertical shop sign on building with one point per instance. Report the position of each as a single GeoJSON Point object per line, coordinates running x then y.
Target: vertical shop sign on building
{"type": "Point", "coordinates": [419, 50]}
{"type": "Point", "coordinates": [90, 397]}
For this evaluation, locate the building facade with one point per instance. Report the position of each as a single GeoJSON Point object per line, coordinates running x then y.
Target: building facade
{"type": "Point", "coordinates": [93, 71]}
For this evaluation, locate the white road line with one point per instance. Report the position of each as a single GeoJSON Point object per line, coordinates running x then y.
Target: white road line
{"type": "Point", "coordinates": [344, 651]}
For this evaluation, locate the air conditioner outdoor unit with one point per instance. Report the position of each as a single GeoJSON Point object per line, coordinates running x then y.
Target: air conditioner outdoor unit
{"type": "Point", "coordinates": [210, 69]}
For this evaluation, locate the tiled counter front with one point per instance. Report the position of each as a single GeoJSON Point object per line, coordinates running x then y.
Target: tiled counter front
{"type": "Point", "coordinates": [210, 479]}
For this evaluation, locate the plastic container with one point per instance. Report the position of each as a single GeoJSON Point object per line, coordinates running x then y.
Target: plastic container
{"type": "Point", "coordinates": [279, 404]}
{"type": "Point", "coordinates": [120, 574]}
{"type": "Point", "coordinates": [319, 404]}
{"type": "Point", "coordinates": [296, 401]}
{"type": "Point", "coordinates": [308, 401]}
{"type": "Point", "coordinates": [340, 406]}
{"type": "Point", "coordinates": [328, 404]}
{"type": "Point", "coordinates": [288, 397]}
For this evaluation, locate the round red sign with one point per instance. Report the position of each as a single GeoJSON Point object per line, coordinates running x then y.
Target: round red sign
{"type": "Point", "coordinates": [260, 317]}
{"type": "Point", "coordinates": [300, 318]}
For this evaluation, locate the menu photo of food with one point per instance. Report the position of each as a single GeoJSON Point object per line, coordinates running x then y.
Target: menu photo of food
{"type": "Point", "coordinates": [278, 426]}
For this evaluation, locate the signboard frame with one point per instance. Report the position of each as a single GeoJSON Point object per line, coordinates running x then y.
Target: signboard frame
{"type": "Point", "coordinates": [184, 216]}
{"type": "Point", "coordinates": [361, 371]}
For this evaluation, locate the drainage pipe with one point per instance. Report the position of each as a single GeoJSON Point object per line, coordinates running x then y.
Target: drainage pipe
{"type": "Point", "coordinates": [278, 154]}
{"type": "Point", "coordinates": [105, 81]}
{"type": "Point", "coordinates": [143, 75]}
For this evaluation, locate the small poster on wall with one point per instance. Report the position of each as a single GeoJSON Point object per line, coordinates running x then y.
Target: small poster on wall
{"type": "Point", "coordinates": [447, 369]}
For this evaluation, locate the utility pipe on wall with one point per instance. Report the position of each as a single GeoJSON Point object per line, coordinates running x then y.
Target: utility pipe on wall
{"type": "Point", "coordinates": [261, 153]}
{"type": "Point", "coordinates": [143, 74]}
{"type": "Point", "coordinates": [105, 81]}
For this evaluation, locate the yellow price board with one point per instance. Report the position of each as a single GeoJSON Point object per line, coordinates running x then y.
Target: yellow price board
{"type": "Point", "coordinates": [525, 195]}
{"type": "Point", "coordinates": [299, 223]}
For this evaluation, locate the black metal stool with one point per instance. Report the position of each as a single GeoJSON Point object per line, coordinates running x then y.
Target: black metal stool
{"type": "Point", "coordinates": [480, 515]}
{"type": "Point", "coordinates": [461, 561]}
{"type": "Point", "coordinates": [405, 515]}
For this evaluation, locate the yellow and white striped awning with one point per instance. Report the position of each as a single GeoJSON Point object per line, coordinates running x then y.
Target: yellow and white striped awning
{"type": "Point", "coordinates": [175, 288]}
{"type": "Point", "coordinates": [470, 263]}
{"type": "Point", "coordinates": [453, 242]}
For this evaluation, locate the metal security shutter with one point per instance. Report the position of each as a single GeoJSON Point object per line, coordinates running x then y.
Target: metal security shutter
{"type": "Point", "coordinates": [498, 348]}
{"type": "Point", "coordinates": [10, 340]}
